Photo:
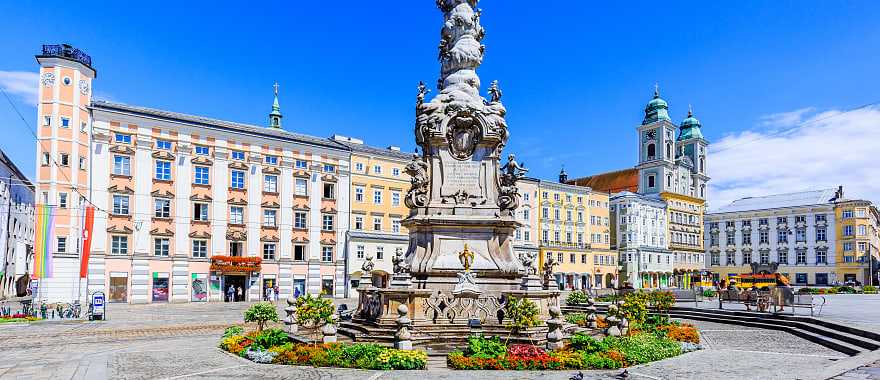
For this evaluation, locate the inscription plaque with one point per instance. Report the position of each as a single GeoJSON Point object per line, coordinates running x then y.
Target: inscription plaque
{"type": "Point", "coordinates": [461, 176]}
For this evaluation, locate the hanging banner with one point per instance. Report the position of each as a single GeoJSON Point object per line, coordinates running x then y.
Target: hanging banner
{"type": "Point", "coordinates": [88, 223]}
{"type": "Point", "coordinates": [44, 235]}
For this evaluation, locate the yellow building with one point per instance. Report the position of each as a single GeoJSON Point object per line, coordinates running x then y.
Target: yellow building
{"type": "Point", "coordinates": [685, 236]}
{"type": "Point", "coordinates": [378, 185]}
{"type": "Point", "coordinates": [575, 234]}
{"type": "Point", "coordinates": [856, 229]}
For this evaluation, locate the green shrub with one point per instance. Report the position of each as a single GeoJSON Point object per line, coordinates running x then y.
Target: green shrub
{"type": "Point", "coordinates": [314, 312]}
{"type": "Point", "coordinates": [846, 290]}
{"type": "Point", "coordinates": [869, 289]}
{"type": "Point", "coordinates": [831, 291]}
{"type": "Point", "coordinates": [576, 318]}
{"type": "Point", "coordinates": [270, 338]}
{"type": "Point", "coordinates": [485, 348]}
{"type": "Point", "coordinates": [404, 359]}
{"type": "Point", "coordinates": [599, 361]}
{"type": "Point", "coordinates": [806, 290]}
{"type": "Point", "coordinates": [644, 348]}
{"type": "Point", "coordinates": [233, 330]}
{"type": "Point", "coordinates": [662, 301]}
{"type": "Point", "coordinates": [523, 313]}
{"type": "Point", "coordinates": [608, 298]}
{"type": "Point", "coordinates": [587, 344]}
{"type": "Point", "coordinates": [577, 298]}
{"type": "Point", "coordinates": [635, 308]}
{"type": "Point", "coordinates": [261, 313]}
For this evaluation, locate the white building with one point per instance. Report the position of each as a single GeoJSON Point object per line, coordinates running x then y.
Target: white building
{"type": "Point", "coordinates": [793, 234]}
{"type": "Point", "coordinates": [16, 230]}
{"type": "Point", "coordinates": [639, 234]}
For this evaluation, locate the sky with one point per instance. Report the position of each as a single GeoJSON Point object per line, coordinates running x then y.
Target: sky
{"type": "Point", "coordinates": [774, 83]}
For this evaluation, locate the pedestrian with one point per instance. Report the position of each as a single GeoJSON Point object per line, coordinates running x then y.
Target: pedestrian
{"type": "Point", "coordinates": [230, 294]}
{"type": "Point", "coordinates": [275, 290]}
{"type": "Point", "coordinates": [238, 294]}
{"type": "Point", "coordinates": [296, 293]}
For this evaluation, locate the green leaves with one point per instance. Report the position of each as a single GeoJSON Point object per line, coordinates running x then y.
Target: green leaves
{"type": "Point", "coordinates": [523, 313]}
{"type": "Point", "coordinates": [314, 311]}
{"type": "Point", "coordinates": [261, 313]}
{"type": "Point", "coordinates": [587, 344]}
{"type": "Point", "coordinates": [576, 298]}
{"type": "Point", "coordinates": [485, 348]}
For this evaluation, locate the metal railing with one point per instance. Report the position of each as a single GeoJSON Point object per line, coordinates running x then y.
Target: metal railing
{"type": "Point", "coordinates": [67, 51]}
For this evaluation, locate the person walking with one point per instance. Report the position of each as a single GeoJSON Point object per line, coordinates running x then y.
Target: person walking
{"type": "Point", "coordinates": [238, 294]}
{"type": "Point", "coordinates": [275, 291]}
{"type": "Point", "coordinates": [230, 294]}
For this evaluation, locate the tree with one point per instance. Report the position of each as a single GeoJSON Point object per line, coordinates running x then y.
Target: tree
{"type": "Point", "coordinates": [314, 312]}
{"type": "Point", "coordinates": [261, 313]}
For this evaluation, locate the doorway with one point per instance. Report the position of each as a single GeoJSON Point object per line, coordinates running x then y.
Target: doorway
{"type": "Point", "coordinates": [236, 282]}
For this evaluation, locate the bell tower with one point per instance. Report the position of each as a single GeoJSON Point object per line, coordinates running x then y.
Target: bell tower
{"type": "Point", "coordinates": [656, 147]}
{"type": "Point", "coordinates": [693, 146]}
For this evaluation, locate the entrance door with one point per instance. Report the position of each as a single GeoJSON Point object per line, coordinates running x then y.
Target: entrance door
{"type": "Point", "coordinates": [299, 286]}
{"type": "Point", "coordinates": [236, 282]}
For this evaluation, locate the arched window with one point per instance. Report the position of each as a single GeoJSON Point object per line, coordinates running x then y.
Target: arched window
{"type": "Point", "coordinates": [669, 151]}
{"type": "Point", "coordinates": [702, 164]}
{"type": "Point", "coordinates": [652, 151]}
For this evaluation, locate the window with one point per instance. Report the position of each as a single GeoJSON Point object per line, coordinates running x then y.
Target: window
{"type": "Point", "coordinates": [120, 204]}
{"type": "Point", "coordinates": [746, 223]}
{"type": "Point", "coordinates": [47, 121]}
{"type": "Point", "coordinates": [863, 230]}
{"type": "Point", "coordinates": [801, 256]}
{"type": "Point", "coordinates": [65, 159]}
{"type": "Point", "coordinates": [377, 223]}
{"type": "Point", "coordinates": [359, 223]}
{"type": "Point", "coordinates": [237, 179]}
{"type": "Point", "coordinates": [359, 193]}
{"type": "Point", "coordinates": [782, 257]}
{"type": "Point", "coordinates": [359, 167]}
{"type": "Point", "coordinates": [580, 216]}
{"type": "Point", "coordinates": [269, 217]}
{"type": "Point", "coordinates": [119, 245]}
{"type": "Point", "coordinates": [62, 200]}
{"type": "Point", "coordinates": [847, 214]}
{"type": "Point", "coordinates": [556, 196]}
{"type": "Point", "coordinates": [121, 165]}
{"type": "Point", "coordinates": [568, 215]}
{"type": "Point", "coordinates": [556, 214]}
{"type": "Point", "coordinates": [781, 220]}
{"type": "Point", "coordinates": [395, 198]}
{"type": "Point", "coordinates": [161, 246]}
{"type": "Point", "coordinates": [380, 252]}
{"type": "Point", "coordinates": [652, 151]}
{"type": "Point", "coordinates": [525, 215]}
{"type": "Point", "coordinates": [326, 254]}
{"type": "Point", "coordinates": [328, 168]}
{"type": "Point", "coordinates": [123, 138]}
{"type": "Point", "coordinates": [200, 248]}
{"type": "Point", "coordinates": [299, 252]}
{"type": "Point", "coordinates": [302, 164]}
{"type": "Point", "coordinates": [395, 172]}
{"type": "Point", "coordinates": [269, 251]}
{"type": "Point", "coordinates": [302, 186]}
{"type": "Point", "coordinates": [545, 213]}
{"type": "Point", "coordinates": [526, 235]}
{"type": "Point", "coordinates": [202, 175]}
{"type": "Point", "coordinates": [200, 212]}
{"type": "Point", "coordinates": [800, 235]}
{"type": "Point", "coordinates": [849, 259]}
{"type": "Point", "coordinates": [329, 191]}
{"type": "Point", "coordinates": [62, 244]}
{"type": "Point", "coordinates": [271, 160]}
{"type": "Point", "coordinates": [526, 197]}
{"type": "Point", "coordinates": [163, 170]}
{"type": "Point", "coordinates": [44, 160]}
{"type": "Point", "coordinates": [377, 197]}
{"type": "Point", "coordinates": [763, 237]}
{"type": "Point", "coordinates": [847, 247]}
{"type": "Point", "coordinates": [863, 246]}
{"type": "Point", "coordinates": [800, 278]}
{"type": "Point", "coordinates": [651, 181]}
{"type": "Point", "coordinates": [299, 220]}
{"type": "Point", "coordinates": [747, 238]}
{"type": "Point", "coordinates": [716, 259]}
{"type": "Point", "coordinates": [238, 155]}
{"type": "Point", "coordinates": [820, 218]}
{"type": "Point", "coordinates": [236, 215]}
{"type": "Point", "coordinates": [162, 208]}
{"type": "Point", "coordinates": [270, 183]}
{"type": "Point", "coordinates": [747, 258]}
{"type": "Point", "coordinates": [800, 219]}
{"type": "Point", "coordinates": [572, 258]}
{"type": "Point", "coordinates": [763, 222]}
{"type": "Point", "coordinates": [860, 213]}
{"type": "Point", "coordinates": [327, 222]}
{"type": "Point", "coordinates": [731, 238]}
{"type": "Point", "coordinates": [559, 258]}
{"type": "Point", "coordinates": [730, 260]}
{"type": "Point", "coordinates": [847, 230]}
{"type": "Point", "coordinates": [163, 144]}
{"type": "Point", "coordinates": [395, 226]}
{"type": "Point", "coordinates": [821, 256]}
{"type": "Point", "coordinates": [202, 150]}
{"type": "Point", "coordinates": [377, 169]}
{"type": "Point", "coordinates": [782, 237]}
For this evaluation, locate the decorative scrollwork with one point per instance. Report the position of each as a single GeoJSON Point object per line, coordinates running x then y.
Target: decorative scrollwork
{"type": "Point", "coordinates": [451, 309]}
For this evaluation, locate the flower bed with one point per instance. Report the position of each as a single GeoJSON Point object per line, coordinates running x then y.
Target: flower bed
{"type": "Point", "coordinates": [18, 318]}
{"type": "Point", "coordinates": [272, 346]}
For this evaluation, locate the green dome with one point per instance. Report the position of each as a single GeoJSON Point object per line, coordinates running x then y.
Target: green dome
{"type": "Point", "coordinates": [656, 110]}
{"type": "Point", "coordinates": [690, 127]}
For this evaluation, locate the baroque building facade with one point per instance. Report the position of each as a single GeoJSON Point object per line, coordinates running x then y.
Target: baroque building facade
{"type": "Point", "coordinates": [16, 230]}
{"type": "Point", "coordinates": [671, 169]}
{"type": "Point", "coordinates": [378, 185]}
{"type": "Point", "coordinates": [639, 232]}
{"type": "Point", "coordinates": [184, 204]}
{"type": "Point", "coordinates": [575, 235]}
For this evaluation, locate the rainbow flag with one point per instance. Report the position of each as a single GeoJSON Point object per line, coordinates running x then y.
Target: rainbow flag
{"type": "Point", "coordinates": [44, 235]}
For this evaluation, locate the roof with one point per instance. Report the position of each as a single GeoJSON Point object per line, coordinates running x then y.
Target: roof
{"type": "Point", "coordinates": [366, 149]}
{"type": "Point", "coordinates": [611, 182]}
{"type": "Point", "coordinates": [276, 133]}
{"type": "Point", "coordinates": [11, 165]}
{"type": "Point", "coordinates": [776, 201]}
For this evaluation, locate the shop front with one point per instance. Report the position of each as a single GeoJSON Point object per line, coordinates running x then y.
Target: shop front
{"type": "Point", "coordinates": [199, 287]}
{"type": "Point", "coordinates": [161, 286]}
{"type": "Point", "coordinates": [118, 291]}
{"type": "Point", "coordinates": [235, 274]}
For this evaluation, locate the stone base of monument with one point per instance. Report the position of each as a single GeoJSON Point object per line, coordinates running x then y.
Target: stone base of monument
{"type": "Point", "coordinates": [441, 318]}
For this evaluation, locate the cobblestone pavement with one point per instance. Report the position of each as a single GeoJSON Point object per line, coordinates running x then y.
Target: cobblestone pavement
{"type": "Point", "coordinates": [179, 341]}
{"type": "Point", "coordinates": [868, 372]}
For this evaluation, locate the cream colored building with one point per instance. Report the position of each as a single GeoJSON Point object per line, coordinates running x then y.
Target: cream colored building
{"type": "Point", "coordinates": [378, 185]}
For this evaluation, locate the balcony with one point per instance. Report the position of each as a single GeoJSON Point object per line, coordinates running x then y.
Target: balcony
{"type": "Point", "coordinates": [67, 51]}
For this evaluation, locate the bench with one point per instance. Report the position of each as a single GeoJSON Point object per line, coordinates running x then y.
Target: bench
{"type": "Point", "coordinates": [807, 301]}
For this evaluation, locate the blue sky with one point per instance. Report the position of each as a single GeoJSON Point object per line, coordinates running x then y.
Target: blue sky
{"type": "Point", "coordinates": [576, 75]}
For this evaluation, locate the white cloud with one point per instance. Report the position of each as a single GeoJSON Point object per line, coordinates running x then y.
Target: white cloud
{"type": "Point", "coordinates": [22, 84]}
{"type": "Point", "coordinates": [828, 149]}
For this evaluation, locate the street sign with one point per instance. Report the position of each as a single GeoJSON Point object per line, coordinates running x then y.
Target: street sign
{"type": "Point", "coordinates": [98, 305]}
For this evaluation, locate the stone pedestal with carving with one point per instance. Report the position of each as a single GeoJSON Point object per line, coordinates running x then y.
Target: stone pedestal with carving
{"type": "Point", "coordinates": [290, 319]}
{"type": "Point", "coordinates": [402, 337]}
{"type": "Point", "coordinates": [554, 329]}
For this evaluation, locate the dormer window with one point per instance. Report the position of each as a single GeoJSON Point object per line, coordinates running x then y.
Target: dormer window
{"type": "Point", "coordinates": [271, 160]}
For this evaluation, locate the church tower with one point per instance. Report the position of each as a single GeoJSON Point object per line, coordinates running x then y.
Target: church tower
{"type": "Point", "coordinates": [656, 147]}
{"type": "Point", "coordinates": [275, 116]}
{"type": "Point", "coordinates": [694, 147]}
